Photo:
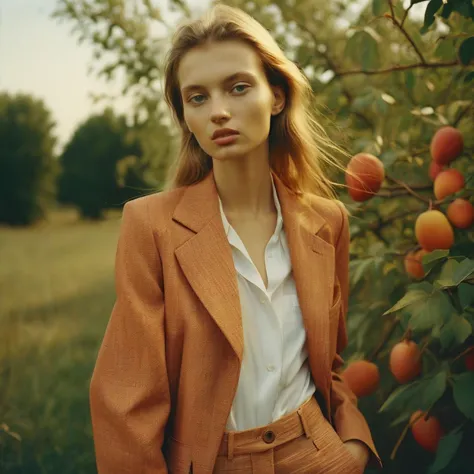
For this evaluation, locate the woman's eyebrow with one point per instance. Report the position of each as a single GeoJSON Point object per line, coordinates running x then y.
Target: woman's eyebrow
{"type": "Point", "coordinates": [226, 80]}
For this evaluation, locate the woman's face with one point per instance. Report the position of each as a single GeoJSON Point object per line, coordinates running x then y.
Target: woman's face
{"type": "Point", "coordinates": [223, 85]}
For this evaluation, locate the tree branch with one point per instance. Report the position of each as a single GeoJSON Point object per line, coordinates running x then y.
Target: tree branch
{"type": "Point", "coordinates": [408, 189]}
{"type": "Point", "coordinates": [461, 115]}
{"type": "Point", "coordinates": [405, 33]}
{"type": "Point", "coordinates": [406, 14]}
{"type": "Point", "coordinates": [396, 68]}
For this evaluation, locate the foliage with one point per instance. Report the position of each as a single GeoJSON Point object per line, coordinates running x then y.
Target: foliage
{"type": "Point", "coordinates": [101, 168]}
{"type": "Point", "coordinates": [26, 143]}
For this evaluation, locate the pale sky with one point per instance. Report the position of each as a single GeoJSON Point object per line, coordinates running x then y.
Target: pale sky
{"type": "Point", "coordinates": [40, 56]}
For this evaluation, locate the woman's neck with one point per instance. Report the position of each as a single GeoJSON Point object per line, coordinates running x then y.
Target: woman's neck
{"type": "Point", "coordinates": [244, 187]}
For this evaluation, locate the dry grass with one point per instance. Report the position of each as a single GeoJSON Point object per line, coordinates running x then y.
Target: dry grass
{"type": "Point", "coordinates": [57, 291]}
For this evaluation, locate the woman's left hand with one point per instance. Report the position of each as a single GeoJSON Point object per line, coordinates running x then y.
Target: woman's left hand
{"type": "Point", "coordinates": [359, 450]}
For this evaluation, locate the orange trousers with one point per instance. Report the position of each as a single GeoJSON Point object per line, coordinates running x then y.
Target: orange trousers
{"type": "Point", "coordinates": [302, 442]}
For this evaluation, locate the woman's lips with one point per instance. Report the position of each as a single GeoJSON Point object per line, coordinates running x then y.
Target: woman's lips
{"type": "Point", "coordinates": [226, 139]}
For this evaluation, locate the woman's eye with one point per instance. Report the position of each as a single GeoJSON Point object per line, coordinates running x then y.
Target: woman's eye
{"type": "Point", "coordinates": [192, 99]}
{"type": "Point", "coordinates": [241, 87]}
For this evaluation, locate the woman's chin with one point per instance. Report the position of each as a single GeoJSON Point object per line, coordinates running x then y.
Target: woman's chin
{"type": "Point", "coordinates": [227, 153]}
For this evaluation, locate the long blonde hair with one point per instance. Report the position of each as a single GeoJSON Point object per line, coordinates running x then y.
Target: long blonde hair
{"type": "Point", "coordinates": [299, 146]}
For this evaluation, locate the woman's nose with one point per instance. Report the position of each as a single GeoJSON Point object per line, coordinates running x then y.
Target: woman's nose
{"type": "Point", "coordinates": [219, 111]}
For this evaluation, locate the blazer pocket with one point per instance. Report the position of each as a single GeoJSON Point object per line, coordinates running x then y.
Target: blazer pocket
{"type": "Point", "coordinates": [180, 458]}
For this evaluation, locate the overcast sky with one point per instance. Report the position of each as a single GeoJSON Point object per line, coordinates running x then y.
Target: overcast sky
{"type": "Point", "coordinates": [40, 56]}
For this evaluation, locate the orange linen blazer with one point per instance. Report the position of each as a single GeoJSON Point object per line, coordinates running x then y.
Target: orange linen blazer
{"type": "Point", "coordinates": [169, 364]}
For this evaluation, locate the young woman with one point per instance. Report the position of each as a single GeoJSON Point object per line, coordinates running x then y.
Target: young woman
{"type": "Point", "coordinates": [222, 350]}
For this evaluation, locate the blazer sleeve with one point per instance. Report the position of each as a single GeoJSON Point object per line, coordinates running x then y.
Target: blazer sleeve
{"type": "Point", "coordinates": [348, 421]}
{"type": "Point", "coordinates": [129, 391]}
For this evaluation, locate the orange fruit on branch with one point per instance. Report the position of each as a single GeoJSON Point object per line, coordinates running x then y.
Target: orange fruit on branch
{"type": "Point", "coordinates": [405, 361]}
{"type": "Point", "coordinates": [364, 176]}
{"type": "Point", "coordinates": [469, 360]}
{"type": "Point", "coordinates": [461, 213]}
{"type": "Point", "coordinates": [362, 377]}
{"type": "Point", "coordinates": [446, 145]}
{"type": "Point", "coordinates": [448, 182]}
{"type": "Point", "coordinates": [433, 230]}
{"type": "Point", "coordinates": [413, 263]}
{"type": "Point", "coordinates": [435, 170]}
{"type": "Point", "coordinates": [427, 433]}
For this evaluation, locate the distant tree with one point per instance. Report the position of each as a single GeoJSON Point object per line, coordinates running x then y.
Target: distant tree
{"type": "Point", "coordinates": [101, 166]}
{"type": "Point", "coordinates": [27, 164]}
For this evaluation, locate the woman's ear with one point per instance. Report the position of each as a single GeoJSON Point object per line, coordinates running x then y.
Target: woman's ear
{"type": "Point", "coordinates": [278, 100]}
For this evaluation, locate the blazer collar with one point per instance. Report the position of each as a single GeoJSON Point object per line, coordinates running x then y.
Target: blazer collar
{"type": "Point", "coordinates": [200, 203]}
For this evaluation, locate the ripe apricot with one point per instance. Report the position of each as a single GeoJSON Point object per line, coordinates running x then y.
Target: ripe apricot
{"type": "Point", "coordinates": [435, 169]}
{"type": "Point", "coordinates": [427, 433]}
{"type": "Point", "coordinates": [364, 176]}
{"type": "Point", "coordinates": [433, 230]}
{"type": "Point", "coordinates": [405, 361]}
{"type": "Point", "coordinates": [446, 145]}
{"type": "Point", "coordinates": [461, 213]}
{"type": "Point", "coordinates": [469, 360]}
{"type": "Point", "coordinates": [362, 377]}
{"type": "Point", "coordinates": [413, 263]}
{"type": "Point", "coordinates": [448, 182]}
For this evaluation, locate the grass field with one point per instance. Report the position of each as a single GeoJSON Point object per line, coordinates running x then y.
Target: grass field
{"type": "Point", "coordinates": [56, 294]}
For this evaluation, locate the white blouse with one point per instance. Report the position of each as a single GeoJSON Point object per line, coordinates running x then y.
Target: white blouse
{"type": "Point", "coordinates": [275, 378]}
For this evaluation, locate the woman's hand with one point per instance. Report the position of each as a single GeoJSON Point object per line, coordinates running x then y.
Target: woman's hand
{"type": "Point", "coordinates": [359, 450]}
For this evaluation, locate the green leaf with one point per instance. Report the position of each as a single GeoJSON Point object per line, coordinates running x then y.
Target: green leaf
{"type": "Point", "coordinates": [409, 79]}
{"type": "Point", "coordinates": [362, 102]}
{"type": "Point", "coordinates": [404, 416]}
{"type": "Point", "coordinates": [464, 8]}
{"type": "Point", "coordinates": [445, 278]}
{"type": "Point", "coordinates": [363, 49]}
{"type": "Point", "coordinates": [431, 9]}
{"type": "Point", "coordinates": [463, 271]}
{"type": "Point", "coordinates": [381, 107]}
{"type": "Point", "coordinates": [432, 389]}
{"type": "Point", "coordinates": [389, 157]}
{"type": "Point", "coordinates": [379, 7]}
{"type": "Point", "coordinates": [447, 448]}
{"type": "Point", "coordinates": [466, 295]}
{"type": "Point", "coordinates": [469, 77]}
{"type": "Point", "coordinates": [411, 297]}
{"type": "Point", "coordinates": [445, 49]}
{"type": "Point", "coordinates": [401, 397]}
{"type": "Point", "coordinates": [434, 310]}
{"type": "Point", "coordinates": [463, 393]}
{"type": "Point", "coordinates": [455, 332]}
{"type": "Point", "coordinates": [421, 394]}
{"type": "Point", "coordinates": [466, 51]}
{"type": "Point", "coordinates": [433, 258]}
{"type": "Point", "coordinates": [359, 268]}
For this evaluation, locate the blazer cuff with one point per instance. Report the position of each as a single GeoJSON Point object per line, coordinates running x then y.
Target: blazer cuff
{"type": "Point", "coordinates": [374, 459]}
{"type": "Point", "coordinates": [351, 425]}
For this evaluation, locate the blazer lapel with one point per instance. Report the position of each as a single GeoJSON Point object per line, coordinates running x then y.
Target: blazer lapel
{"type": "Point", "coordinates": [206, 260]}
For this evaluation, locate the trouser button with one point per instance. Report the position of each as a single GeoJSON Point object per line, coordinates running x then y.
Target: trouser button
{"type": "Point", "coordinates": [269, 437]}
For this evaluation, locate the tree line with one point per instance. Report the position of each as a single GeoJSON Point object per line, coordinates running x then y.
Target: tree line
{"type": "Point", "coordinates": [103, 165]}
